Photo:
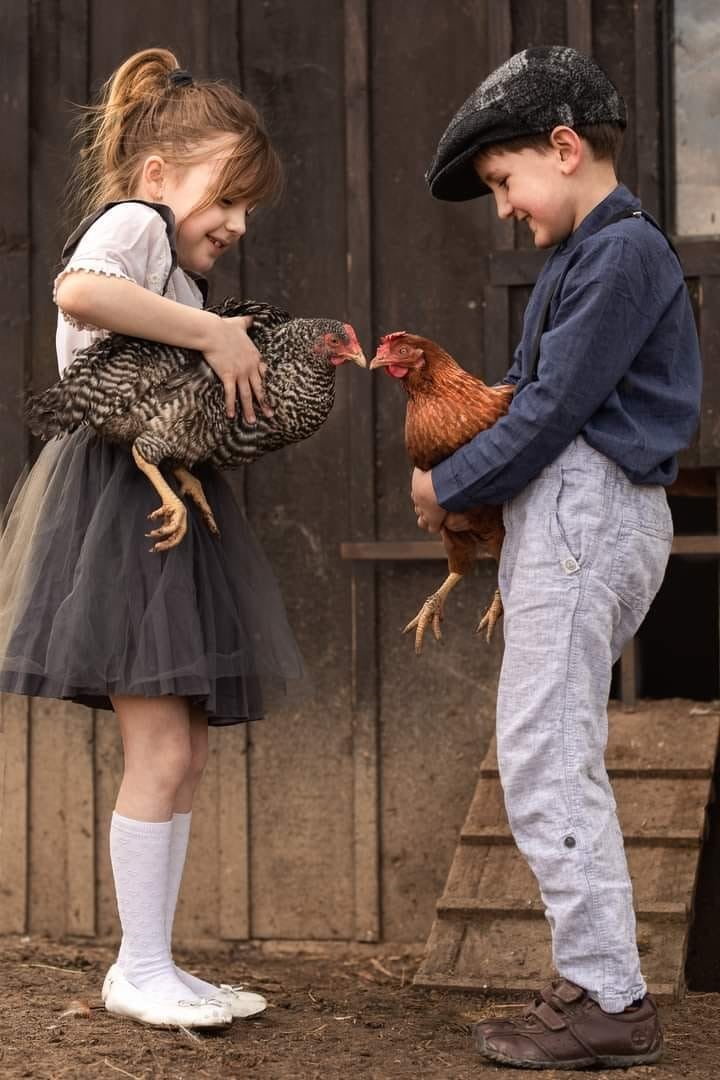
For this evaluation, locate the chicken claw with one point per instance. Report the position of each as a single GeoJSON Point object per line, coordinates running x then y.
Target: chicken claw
{"type": "Point", "coordinates": [171, 533]}
{"type": "Point", "coordinates": [491, 616]}
{"type": "Point", "coordinates": [432, 612]}
{"type": "Point", "coordinates": [172, 509]}
{"type": "Point", "coordinates": [190, 485]}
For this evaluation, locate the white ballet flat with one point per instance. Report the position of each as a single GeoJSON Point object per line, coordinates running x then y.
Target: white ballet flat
{"type": "Point", "coordinates": [112, 971]}
{"type": "Point", "coordinates": [242, 1003]}
{"type": "Point", "coordinates": [123, 999]}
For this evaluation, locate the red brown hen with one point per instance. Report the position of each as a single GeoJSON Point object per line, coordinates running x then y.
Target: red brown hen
{"type": "Point", "coordinates": [446, 407]}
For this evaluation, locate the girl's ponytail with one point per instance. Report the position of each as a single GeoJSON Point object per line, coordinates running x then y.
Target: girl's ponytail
{"type": "Point", "coordinates": [143, 110]}
{"type": "Point", "coordinates": [138, 85]}
{"type": "Point", "coordinates": [106, 130]}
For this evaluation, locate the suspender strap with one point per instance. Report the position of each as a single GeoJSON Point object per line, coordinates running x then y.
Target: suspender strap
{"type": "Point", "coordinates": [164, 211]}
{"type": "Point", "coordinates": [545, 310]}
{"type": "Point", "coordinates": [168, 217]}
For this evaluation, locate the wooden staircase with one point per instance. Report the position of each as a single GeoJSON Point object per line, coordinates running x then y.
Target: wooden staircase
{"type": "Point", "coordinates": [489, 933]}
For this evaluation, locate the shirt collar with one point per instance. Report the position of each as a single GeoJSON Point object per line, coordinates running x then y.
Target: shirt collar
{"type": "Point", "coordinates": [618, 199]}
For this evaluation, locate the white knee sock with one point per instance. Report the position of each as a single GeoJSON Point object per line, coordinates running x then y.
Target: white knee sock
{"type": "Point", "coordinates": [140, 856]}
{"type": "Point", "coordinates": [178, 851]}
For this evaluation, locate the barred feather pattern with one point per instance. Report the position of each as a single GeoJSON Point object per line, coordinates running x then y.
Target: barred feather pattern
{"type": "Point", "coordinates": [169, 403]}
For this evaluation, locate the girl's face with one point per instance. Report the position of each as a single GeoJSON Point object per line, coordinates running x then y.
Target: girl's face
{"type": "Point", "coordinates": [202, 235]}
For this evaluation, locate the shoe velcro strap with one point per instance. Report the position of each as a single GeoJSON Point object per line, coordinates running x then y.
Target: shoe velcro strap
{"type": "Point", "coordinates": [548, 1017]}
{"type": "Point", "coordinates": [568, 992]}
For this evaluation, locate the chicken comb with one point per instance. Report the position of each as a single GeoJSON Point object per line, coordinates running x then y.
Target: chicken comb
{"type": "Point", "coordinates": [391, 337]}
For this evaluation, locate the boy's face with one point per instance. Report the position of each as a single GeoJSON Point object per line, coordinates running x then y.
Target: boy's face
{"type": "Point", "coordinates": [531, 186]}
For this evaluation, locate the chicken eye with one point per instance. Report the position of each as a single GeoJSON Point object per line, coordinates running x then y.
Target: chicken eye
{"type": "Point", "coordinates": [334, 339]}
{"type": "Point", "coordinates": [403, 350]}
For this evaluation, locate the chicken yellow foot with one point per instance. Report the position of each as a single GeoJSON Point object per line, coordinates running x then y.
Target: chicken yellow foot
{"type": "Point", "coordinates": [491, 616]}
{"type": "Point", "coordinates": [431, 613]}
{"type": "Point", "coordinates": [172, 509]}
{"type": "Point", "coordinates": [190, 485]}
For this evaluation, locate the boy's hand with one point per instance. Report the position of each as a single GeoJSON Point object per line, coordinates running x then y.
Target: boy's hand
{"type": "Point", "coordinates": [239, 366]}
{"type": "Point", "coordinates": [430, 514]}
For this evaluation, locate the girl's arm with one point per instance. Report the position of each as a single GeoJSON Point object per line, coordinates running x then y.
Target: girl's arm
{"type": "Point", "coordinates": [123, 307]}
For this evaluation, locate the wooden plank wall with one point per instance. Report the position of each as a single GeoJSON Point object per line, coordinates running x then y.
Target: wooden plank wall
{"type": "Point", "coordinates": [337, 817]}
{"type": "Point", "coordinates": [14, 327]}
{"type": "Point", "coordinates": [436, 713]}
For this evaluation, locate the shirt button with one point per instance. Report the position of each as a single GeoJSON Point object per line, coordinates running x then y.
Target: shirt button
{"type": "Point", "coordinates": [570, 566]}
{"type": "Point", "coordinates": [569, 841]}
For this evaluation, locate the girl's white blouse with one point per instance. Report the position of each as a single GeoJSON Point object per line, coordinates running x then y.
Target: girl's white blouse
{"type": "Point", "coordinates": [129, 241]}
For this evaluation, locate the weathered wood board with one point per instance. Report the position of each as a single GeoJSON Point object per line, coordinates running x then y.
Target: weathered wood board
{"type": "Point", "coordinates": [488, 933]}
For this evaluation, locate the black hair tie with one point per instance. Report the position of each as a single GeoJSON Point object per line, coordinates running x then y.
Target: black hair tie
{"type": "Point", "coordinates": [180, 77]}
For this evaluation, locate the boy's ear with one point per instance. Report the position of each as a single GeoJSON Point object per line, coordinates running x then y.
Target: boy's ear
{"type": "Point", "coordinates": [568, 144]}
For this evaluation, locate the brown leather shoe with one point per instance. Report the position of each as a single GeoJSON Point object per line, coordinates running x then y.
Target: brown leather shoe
{"type": "Point", "coordinates": [566, 1029]}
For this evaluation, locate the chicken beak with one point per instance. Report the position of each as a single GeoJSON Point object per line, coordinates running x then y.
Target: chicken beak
{"type": "Point", "coordinates": [379, 361]}
{"type": "Point", "coordinates": [354, 355]}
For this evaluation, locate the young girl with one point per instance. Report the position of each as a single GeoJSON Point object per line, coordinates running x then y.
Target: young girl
{"type": "Point", "coordinates": [175, 638]}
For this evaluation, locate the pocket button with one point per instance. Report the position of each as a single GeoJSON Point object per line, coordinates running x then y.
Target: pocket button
{"type": "Point", "coordinates": [570, 566]}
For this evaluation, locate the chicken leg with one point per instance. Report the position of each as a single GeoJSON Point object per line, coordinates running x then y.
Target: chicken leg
{"type": "Point", "coordinates": [172, 509]}
{"type": "Point", "coordinates": [491, 616]}
{"type": "Point", "coordinates": [494, 612]}
{"type": "Point", "coordinates": [190, 485]}
{"type": "Point", "coordinates": [432, 613]}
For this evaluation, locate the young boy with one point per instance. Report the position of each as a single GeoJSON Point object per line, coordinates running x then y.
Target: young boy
{"type": "Point", "coordinates": [608, 386]}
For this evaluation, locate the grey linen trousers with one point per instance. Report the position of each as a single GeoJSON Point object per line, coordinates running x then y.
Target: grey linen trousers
{"type": "Point", "coordinates": [584, 555]}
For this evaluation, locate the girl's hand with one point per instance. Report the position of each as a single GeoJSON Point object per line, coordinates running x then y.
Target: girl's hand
{"type": "Point", "coordinates": [239, 366]}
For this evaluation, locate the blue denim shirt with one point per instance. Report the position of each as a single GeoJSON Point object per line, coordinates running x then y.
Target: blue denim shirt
{"type": "Point", "coordinates": [619, 363]}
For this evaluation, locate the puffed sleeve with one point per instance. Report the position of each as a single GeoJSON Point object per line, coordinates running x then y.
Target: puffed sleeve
{"type": "Point", "coordinates": [128, 241]}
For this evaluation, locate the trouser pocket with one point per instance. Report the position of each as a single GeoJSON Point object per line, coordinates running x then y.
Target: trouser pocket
{"type": "Point", "coordinates": [639, 563]}
{"type": "Point", "coordinates": [577, 516]}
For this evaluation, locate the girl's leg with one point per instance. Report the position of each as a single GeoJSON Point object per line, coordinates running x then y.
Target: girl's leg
{"type": "Point", "coordinates": [198, 728]}
{"type": "Point", "coordinates": [181, 834]}
{"type": "Point", "coordinates": [242, 1003]}
{"type": "Point", "coordinates": [157, 751]}
{"type": "Point", "coordinates": [182, 815]}
{"type": "Point", "coordinates": [158, 754]}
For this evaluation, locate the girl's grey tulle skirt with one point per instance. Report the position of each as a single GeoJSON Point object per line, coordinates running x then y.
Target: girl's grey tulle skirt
{"type": "Point", "coordinates": [87, 611]}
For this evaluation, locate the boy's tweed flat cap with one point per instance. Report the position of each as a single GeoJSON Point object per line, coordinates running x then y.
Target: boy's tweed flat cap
{"type": "Point", "coordinates": [531, 93]}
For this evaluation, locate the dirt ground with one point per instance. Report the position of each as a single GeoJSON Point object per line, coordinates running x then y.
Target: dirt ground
{"type": "Point", "coordinates": [354, 1013]}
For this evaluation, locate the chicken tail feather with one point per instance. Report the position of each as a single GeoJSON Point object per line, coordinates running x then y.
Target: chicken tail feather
{"type": "Point", "coordinates": [52, 413]}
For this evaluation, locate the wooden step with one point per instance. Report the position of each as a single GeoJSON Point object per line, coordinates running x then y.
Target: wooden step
{"type": "Point", "coordinates": [662, 751]}
{"type": "Point", "coordinates": [489, 951]}
{"type": "Point", "coordinates": [653, 811]}
{"type": "Point", "coordinates": [497, 834]}
{"type": "Point", "coordinates": [489, 934]}
{"type": "Point", "coordinates": [499, 872]}
{"type": "Point", "coordinates": [467, 905]}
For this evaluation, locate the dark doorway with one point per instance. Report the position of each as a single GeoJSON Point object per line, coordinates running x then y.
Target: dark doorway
{"type": "Point", "coordinates": [678, 645]}
{"type": "Point", "coordinates": [678, 641]}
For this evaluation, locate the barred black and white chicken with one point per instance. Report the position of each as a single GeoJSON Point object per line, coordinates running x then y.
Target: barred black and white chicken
{"type": "Point", "coordinates": [169, 406]}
